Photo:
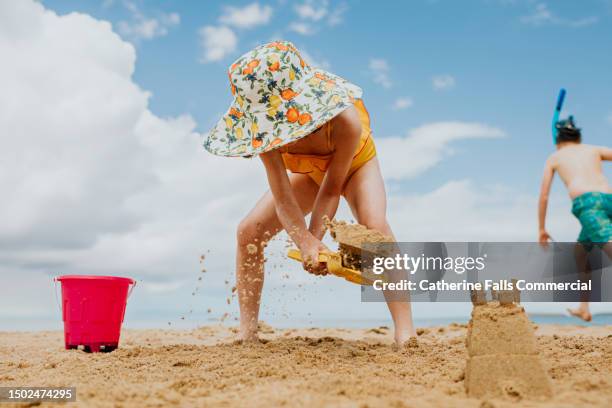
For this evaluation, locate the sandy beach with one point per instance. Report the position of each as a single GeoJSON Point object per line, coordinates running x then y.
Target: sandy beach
{"type": "Point", "coordinates": [298, 367]}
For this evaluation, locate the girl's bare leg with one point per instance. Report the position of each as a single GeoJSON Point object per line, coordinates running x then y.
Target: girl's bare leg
{"type": "Point", "coordinates": [254, 231]}
{"type": "Point", "coordinates": [365, 193]}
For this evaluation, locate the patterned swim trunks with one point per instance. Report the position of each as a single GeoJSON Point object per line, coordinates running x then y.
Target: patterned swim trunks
{"type": "Point", "coordinates": [594, 211]}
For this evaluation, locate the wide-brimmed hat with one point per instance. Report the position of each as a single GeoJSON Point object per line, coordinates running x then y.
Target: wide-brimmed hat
{"type": "Point", "coordinates": [278, 98]}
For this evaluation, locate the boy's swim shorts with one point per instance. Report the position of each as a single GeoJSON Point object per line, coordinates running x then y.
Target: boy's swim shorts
{"type": "Point", "coordinates": [594, 211]}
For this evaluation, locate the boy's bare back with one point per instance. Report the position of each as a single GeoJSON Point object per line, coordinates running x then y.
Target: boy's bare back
{"type": "Point", "coordinates": [580, 167]}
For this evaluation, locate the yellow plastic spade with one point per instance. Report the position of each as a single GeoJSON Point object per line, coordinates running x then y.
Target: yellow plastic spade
{"type": "Point", "coordinates": [334, 266]}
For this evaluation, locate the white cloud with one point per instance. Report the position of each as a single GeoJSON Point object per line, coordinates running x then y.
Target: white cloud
{"type": "Point", "coordinates": [142, 27]}
{"type": "Point", "coordinates": [302, 28]}
{"type": "Point", "coordinates": [379, 70]}
{"type": "Point", "coordinates": [94, 182]}
{"type": "Point", "coordinates": [336, 16]}
{"type": "Point", "coordinates": [403, 103]}
{"type": "Point", "coordinates": [609, 118]}
{"type": "Point", "coordinates": [219, 41]}
{"type": "Point", "coordinates": [582, 22]}
{"type": "Point", "coordinates": [426, 146]}
{"type": "Point", "coordinates": [216, 42]}
{"type": "Point", "coordinates": [248, 16]}
{"type": "Point", "coordinates": [163, 287]}
{"type": "Point", "coordinates": [460, 210]}
{"type": "Point", "coordinates": [312, 10]}
{"type": "Point", "coordinates": [542, 15]}
{"type": "Point", "coordinates": [443, 82]}
{"type": "Point", "coordinates": [319, 11]}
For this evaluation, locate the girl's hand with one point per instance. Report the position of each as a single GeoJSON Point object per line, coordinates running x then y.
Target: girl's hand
{"type": "Point", "coordinates": [310, 250]}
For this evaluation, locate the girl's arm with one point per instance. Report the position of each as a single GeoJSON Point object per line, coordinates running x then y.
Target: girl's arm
{"type": "Point", "coordinates": [289, 212]}
{"type": "Point", "coordinates": [347, 127]}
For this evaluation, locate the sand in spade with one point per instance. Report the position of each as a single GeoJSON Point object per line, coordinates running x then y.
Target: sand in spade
{"type": "Point", "coordinates": [503, 359]}
{"type": "Point", "coordinates": [351, 238]}
{"type": "Point", "coordinates": [354, 234]}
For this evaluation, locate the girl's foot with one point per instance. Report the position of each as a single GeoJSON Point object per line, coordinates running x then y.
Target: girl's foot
{"type": "Point", "coordinates": [404, 336]}
{"type": "Point", "coordinates": [248, 337]}
{"type": "Point", "coordinates": [581, 314]}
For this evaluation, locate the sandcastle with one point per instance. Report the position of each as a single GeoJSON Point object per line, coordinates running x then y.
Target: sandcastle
{"type": "Point", "coordinates": [503, 358]}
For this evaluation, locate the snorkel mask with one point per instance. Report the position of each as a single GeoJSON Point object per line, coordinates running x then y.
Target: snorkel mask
{"type": "Point", "coordinates": [567, 128]}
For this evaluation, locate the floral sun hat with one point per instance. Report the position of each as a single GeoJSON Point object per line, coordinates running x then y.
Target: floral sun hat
{"type": "Point", "coordinates": [278, 98]}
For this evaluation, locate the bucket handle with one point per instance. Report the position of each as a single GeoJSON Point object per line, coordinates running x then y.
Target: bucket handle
{"type": "Point", "coordinates": [55, 293]}
{"type": "Point", "coordinates": [132, 288]}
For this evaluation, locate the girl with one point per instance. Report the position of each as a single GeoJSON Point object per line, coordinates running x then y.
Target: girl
{"type": "Point", "coordinates": [314, 124]}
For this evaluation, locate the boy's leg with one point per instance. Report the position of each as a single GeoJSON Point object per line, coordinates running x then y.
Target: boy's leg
{"type": "Point", "coordinates": [365, 194]}
{"type": "Point", "coordinates": [254, 231]}
{"type": "Point", "coordinates": [596, 227]}
{"type": "Point", "coordinates": [582, 264]}
{"type": "Point", "coordinates": [607, 248]}
{"type": "Point", "coordinates": [608, 205]}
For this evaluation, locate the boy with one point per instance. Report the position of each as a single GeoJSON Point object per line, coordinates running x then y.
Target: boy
{"type": "Point", "coordinates": [579, 166]}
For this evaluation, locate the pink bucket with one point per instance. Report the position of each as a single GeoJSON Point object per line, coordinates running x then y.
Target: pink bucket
{"type": "Point", "coordinates": [92, 310]}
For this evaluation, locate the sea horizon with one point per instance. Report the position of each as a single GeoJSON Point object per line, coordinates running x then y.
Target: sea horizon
{"type": "Point", "coordinates": [34, 325]}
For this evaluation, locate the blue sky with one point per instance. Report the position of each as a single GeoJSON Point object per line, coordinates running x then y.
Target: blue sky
{"type": "Point", "coordinates": [460, 94]}
{"type": "Point", "coordinates": [507, 59]}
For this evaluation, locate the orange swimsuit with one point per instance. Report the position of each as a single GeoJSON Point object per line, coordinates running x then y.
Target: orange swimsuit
{"type": "Point", "coordinates": [315, 165]}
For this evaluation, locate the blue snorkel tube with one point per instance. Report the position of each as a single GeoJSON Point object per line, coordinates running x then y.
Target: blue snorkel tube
{"type": "Point", "coordinates": [558, 108]}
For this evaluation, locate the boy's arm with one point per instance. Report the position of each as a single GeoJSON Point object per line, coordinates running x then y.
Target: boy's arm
{"type": "Point", "coordinates": [606, 153]}
{"type": "Point", "coordinates": [289, 212]}
{"type": "Point", "coordinates": [547, 179]}
{"type": "Point", "coordinates": [348, 127]}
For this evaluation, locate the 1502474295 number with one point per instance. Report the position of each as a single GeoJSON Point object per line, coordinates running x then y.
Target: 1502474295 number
{"type": "Point", "coordinates": [32, 394]}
